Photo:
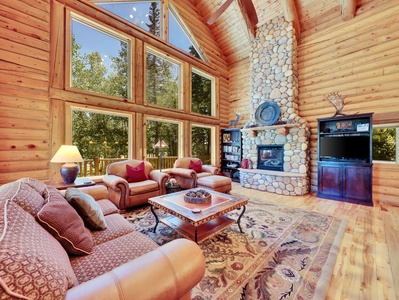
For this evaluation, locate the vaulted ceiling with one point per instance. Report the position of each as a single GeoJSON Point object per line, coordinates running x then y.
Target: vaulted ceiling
{"type": "Point", "coordinates": [233, 32]}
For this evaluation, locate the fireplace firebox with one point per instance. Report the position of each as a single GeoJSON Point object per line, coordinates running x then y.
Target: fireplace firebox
{"type": "Point", "coordinates": [270, 157]}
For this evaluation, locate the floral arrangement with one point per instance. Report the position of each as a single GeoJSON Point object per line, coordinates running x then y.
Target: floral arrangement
{"type": "Point", "coordinates": [172, 183]}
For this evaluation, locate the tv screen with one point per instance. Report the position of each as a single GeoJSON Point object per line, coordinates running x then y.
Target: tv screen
{"type": "Point", "coordinates": [345, 148]}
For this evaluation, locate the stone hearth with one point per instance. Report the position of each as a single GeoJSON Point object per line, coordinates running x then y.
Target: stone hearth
{"type": "Point", "coordinates": [274, 78]}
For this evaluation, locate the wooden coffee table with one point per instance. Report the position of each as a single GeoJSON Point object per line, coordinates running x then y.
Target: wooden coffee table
{"type": "Point", "coordinates": [194, 225]}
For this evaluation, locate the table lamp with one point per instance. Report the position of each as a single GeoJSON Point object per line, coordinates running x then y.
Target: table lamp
{"type": "Point", "coordinates": [69, 155]}
{"type": "Point", "coordinates": [160, 145]}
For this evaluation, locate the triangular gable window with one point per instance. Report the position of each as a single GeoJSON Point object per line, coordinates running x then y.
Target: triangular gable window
{"type": "Point", "coordinates": [179, 37]}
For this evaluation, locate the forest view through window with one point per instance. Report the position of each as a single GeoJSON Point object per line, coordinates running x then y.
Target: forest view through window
{"type": "Point", "coordinates": [168, 132]}
{"type": "Point", "coordinates": [100, 67]}
{"type": "Point", "coordinates": [385, 144]}
{"type": "Point", "coordinates": [101, 139]}
{"type": "Point", "coordinates": [201, 144]}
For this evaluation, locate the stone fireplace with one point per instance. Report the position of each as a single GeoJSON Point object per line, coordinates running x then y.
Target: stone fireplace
{"type": "Point", "coordinates": [270, 157]}
{"type": "Point", "coordinates": [274, 78]}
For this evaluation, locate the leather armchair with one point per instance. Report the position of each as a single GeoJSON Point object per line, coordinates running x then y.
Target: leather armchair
{"type": "Point", "coordinates": [187, 177]}
{"type": "Point", "coordinates": [125, 194]}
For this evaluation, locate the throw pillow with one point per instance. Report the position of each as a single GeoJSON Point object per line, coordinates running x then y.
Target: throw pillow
{"type": "Point", "coordinates": [87, 207]}
{"type": "Point", "coordinates": [63, 222]}
{"type": "Point", "coordinates": [136, 174]}
{"type": "Point", "coordinates": [196, 166]}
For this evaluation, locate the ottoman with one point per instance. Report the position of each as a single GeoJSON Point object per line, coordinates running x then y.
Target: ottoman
{"type": "Point", "coordinates": [215, 182]}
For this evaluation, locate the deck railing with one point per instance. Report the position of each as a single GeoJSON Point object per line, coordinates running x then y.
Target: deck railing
{"type": "Point", "coordinates": [98, 166]}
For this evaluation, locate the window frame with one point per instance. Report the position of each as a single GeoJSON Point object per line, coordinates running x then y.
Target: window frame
{"type": "Point", "coordinates": [213, 140]}
{"type": "Point", "coordinates": [167, 57]}
{"type": "Point", "coordinates": [213, 92]}
{"type": "Point", "coordinates": [164, 120]}
{"type": "Point", "coordinates": [69, 108]}
{"type": "Point", "coordinates": [89, 22]}
{"type": "Point", "coordinates": [384, 126]}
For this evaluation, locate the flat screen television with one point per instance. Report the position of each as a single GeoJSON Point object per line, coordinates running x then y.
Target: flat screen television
{"type": "Point", "coordinates": [345, 148]}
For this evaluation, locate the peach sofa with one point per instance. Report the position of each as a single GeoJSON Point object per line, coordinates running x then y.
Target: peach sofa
{"type": "Point", "coordinates": [126, 194]}
{"type": "Point", "coordinates": [36, 260]}
{"type": "Point", "coordinates": [208, 178]}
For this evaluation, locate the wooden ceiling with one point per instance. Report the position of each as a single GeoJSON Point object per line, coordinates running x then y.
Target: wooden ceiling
{"type": "Point", "coordinates": [234, 35]}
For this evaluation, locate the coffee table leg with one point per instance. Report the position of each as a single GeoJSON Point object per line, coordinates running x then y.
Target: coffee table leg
{"type": "Point", "coordinates": [239, 218]}
{"type": "Point", "coordinates": [156, 218]}
{"type": "Point", "coordinates": [196, 234]}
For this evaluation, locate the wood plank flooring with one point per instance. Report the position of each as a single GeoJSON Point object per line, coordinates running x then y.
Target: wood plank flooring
{"type": "Point", "coordinates": [367, 265]}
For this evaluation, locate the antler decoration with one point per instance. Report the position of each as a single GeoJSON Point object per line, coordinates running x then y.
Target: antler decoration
{"type": "Point", "coordinates": [338, 102]}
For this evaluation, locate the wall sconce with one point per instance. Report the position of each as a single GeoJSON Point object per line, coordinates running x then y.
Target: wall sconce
{"type": "Point", "coordinates": [160, 145]}
{"type": "Point", "coordinates": [69, 155]}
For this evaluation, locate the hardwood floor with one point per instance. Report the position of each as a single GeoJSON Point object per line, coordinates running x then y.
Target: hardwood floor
{"type": "Point", "coordinates": [367, 265]}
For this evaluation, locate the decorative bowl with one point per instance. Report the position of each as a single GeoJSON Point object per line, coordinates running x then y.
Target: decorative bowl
{"type": "Point", "coordinates": [198, 197]}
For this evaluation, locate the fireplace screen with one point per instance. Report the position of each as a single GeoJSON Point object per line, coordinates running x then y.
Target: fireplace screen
{"type": "Point", "coordinates": [270, 157]}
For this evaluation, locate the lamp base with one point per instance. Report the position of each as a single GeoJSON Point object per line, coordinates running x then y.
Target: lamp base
{"type": "Point", "coordinates": [69, 172]}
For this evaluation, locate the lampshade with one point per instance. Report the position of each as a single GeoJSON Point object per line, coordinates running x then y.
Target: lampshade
{"type": "Point", "coordinates": [161, 144]}
{"type": "Point", "coordinates": [67, 154]}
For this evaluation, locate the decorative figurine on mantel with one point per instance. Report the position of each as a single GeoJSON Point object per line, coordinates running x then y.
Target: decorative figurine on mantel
{"type": "Point", "coordinates": [234, 122]}
{"type": "Point", "coordinates": [338, 102]}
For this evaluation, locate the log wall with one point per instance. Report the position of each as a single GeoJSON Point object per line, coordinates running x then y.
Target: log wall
{"type": "Point", "coordinates": [34, 94]}
{"type": "Point", "coordinates": [359, 60]}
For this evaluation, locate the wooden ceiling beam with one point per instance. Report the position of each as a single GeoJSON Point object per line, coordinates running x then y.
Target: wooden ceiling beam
{"type": "Point", "coordinates": [249, 15]}
{"type": "Point", "coordinates": [291, 15]}
{"type": "Point", "coordinates": [348, 9]}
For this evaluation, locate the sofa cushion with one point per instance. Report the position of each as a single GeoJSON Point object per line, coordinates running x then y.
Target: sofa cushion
{"type": "Point", "coordinates": [143, 187]}
{"type": "Point", "coordinates": [116, 227]}
{"type": "Point", "coordinates": [39, 186]}
{"type": "Point", "coordinates": [136, 174]}
{"type": "Point", "coordinates": [24, 195]}
{"type": "Point", "coordinates": [111, 254]}
{"type": "Point", "coordinates": [107, 207]}
{"type": "Point", "coordinates": [32, 262]}
{"type": "Point", "coordinates": [59, 218]}
{"type": "Point", "coordinates": [87, 208]}
{"type": "Point", "coordinates": [196, 166]}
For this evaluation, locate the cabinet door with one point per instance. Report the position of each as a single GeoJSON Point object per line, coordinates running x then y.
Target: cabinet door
{"type": "Point", "coordinates": [357, 182]}
{"type": "Point", "coordinates": [329, 180]}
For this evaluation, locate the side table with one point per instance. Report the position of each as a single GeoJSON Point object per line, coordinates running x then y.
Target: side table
{"type": "Point", "coordinates": [173, 189]}
{"type": "Point", "coordinates": [60, 185]}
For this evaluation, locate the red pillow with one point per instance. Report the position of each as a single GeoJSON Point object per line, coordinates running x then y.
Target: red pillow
{"type": "Point", "coordinates": [196, 166]}
{"type": "Point", "coordinates": [136, 174]}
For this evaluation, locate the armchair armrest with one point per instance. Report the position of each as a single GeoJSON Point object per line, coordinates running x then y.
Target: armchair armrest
{"type": "Point", "coordinates": [168, 272]}
{"type": "Point", "coordinates": [211, 169]}
{"type": "Point", "coordinates": [161, 178]}
{"type": "Point", "coordinates": [118, 190]}
{"type": "Point", "coordinates": [187, 173]}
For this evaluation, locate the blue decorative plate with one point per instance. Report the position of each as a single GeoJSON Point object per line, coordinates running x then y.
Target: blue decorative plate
{"type": "Point", "coordinates": [267, 113]}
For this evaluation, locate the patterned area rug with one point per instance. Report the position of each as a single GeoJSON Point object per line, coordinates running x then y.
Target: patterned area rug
{"type": "Point", "coordinates": [284, 253]}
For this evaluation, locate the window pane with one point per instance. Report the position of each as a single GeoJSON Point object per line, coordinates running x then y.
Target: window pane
{"type": "Point", "coordinates": [168, 133]}
{"type": "Point", "coordinates": [162, 81]}
{"type": "Point", "coordinates": [179, 38]}
{"type": "Point", "coordinates": [201, 144]}
{"type": "Point", "coordinates": [100, 138]}
{"type": "Point", "coordinates": [99, 61]}
{"type": "Point", "coordinates": [384, 144]}
{"type": "Point", "coordinates": [145, 14]}
{"type": "Point", "coordinates": [201, 98]}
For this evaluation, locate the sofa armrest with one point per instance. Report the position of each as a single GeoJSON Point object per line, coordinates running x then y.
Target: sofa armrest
{"type": "Point", "coordinates": [161, 178]}
{"type": "Point", "coordinates": [211, 169]}
{"type": "Point", "coordinates": [118, 190]}
{"type": "Point", "coordinates": [168, 272]}
{"type": "Point", "coordinates": [186, 173]}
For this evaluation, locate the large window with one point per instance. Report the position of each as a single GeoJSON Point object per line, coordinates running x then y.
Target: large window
{"type": "Point", "coordinates": [386, 143]}
{"type": "Point", "coordinates": [145, 14]}
{"type": "Point", "coordinates": [99, 61]}
{"type": "Point", "coordinates": [202, 93]}
{"type": "Point", "coordinates": [201, 143]}
{"type": "Point", "coordinates": [100, 137]}
{"type": "Point", "coordinates": [165, 131]}
{"type": "Point", "coordinates": [162, 80]}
